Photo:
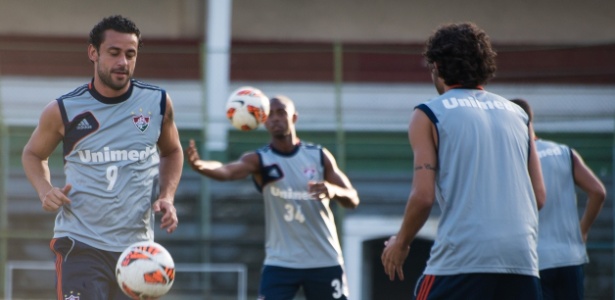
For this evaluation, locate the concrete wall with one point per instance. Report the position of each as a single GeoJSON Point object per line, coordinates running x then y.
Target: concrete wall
{"type": "Point", "coordinates": [522, 21]}
{"type": "Point", "coordinates": [365, 106]}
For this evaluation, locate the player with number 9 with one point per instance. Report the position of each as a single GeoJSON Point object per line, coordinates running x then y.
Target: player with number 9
{"type": "Point", "coordinates": [297, 180]}
{"type": "Point", "coordinates": [122, 162]}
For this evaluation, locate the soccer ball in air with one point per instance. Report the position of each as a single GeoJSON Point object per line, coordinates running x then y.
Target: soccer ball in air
{"type": "Point", "coordinates": [145, 270]}
{"type": "Point", "coordinates": [247, 107]}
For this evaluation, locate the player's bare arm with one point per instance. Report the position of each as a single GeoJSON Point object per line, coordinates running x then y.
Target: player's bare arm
{"type": "Point", "coordinates": [535, 171]}
{"type": "Point", "coordinates": [587, 181]}
{"type": "Point", "coordinates": [421, 198]}
{"type": "Point", "coordinates": [336, 185]}
{"type": "Point", "coordinates": [247, 165]}
{"type": "Point", "coordinates": [45, 138]}
{"type": "Point", "coordinates": [171, 163]}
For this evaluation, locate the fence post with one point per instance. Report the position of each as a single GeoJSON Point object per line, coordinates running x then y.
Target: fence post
{"type": "Point", "coordinates": [4, 166]}
{"type": "Point", "coordinates": [340, 135]}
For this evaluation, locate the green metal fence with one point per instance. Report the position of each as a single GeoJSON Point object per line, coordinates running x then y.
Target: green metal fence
{"type": "Point", "coordinates": [363, 122]}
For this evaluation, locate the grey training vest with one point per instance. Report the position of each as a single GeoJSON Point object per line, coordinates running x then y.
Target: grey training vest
{"type": "Point", "coordinates": [560, 242]}
{"type": "Point", "coordinates": [300, 230]}
{"type": "Point", "coordinates": [489, 221]}
{"type": "Point", "coordinates": [111, 159]}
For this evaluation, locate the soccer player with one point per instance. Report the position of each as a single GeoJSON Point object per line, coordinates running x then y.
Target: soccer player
{"type": "Point", "coordinates": [562, 237]}
{"type": "Point", "coordinates": [473, 153]}
{"type": "Point", "coordinates": [122, 161]}
{"type": "Point", "coordinates": [297, 180]}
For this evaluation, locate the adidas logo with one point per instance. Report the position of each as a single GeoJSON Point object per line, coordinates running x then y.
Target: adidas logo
{"type": "Point", "coordinates": [273, 173]}
{"type": "Point", "coordinates": [84, 125]}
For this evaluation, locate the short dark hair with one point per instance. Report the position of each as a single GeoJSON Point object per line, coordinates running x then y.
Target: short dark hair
{"type": "Point", "coordinates": [117, 23]}
{"type": "Point", "coordinates": [463, 54]}
{"type": "Point", "coordinates": [526, 107]}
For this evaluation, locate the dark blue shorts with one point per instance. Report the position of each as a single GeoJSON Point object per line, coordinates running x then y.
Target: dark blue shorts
{"type": "Point", "coordinates": [85, 272]}
{"type": "Point", "coordinates": [562, 283]}
{"type": "Point", "coordinates": [478, 286]}
{"type": "Point", "coordinates": [278, 283]}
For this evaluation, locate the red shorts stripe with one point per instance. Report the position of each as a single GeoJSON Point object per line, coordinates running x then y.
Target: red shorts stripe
{"type": "Point", "coordinates": [426, 287]}
{"type": "Point", "coordinates": [59, 259]}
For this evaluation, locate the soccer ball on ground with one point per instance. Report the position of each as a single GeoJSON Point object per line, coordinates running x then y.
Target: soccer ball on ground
{"type": "Point", "coordinates": [247, 107]}
{"type": "Point", "coordinates": [145, 270]}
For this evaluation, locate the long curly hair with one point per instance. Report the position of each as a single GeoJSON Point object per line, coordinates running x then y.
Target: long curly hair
{"type": "Point", "coordinates": [117, 23]}
{"type": "Point", "coordinates": [462, 53]}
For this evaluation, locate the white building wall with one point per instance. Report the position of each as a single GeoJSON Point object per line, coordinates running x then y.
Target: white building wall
{"type": "Point", "coordinates": [366, 107]}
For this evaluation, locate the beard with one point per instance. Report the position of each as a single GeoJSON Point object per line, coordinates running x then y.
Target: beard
{"type": "Point", "coordinates": [107, 78]}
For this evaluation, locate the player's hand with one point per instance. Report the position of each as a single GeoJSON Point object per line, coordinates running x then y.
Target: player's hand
{"type": "Point", "coordinates": [56, 197]}
{"type": "Point", "coordinates": [393, 257]}
{"type": "Point", "coordinates": [320, 190]}
{"type": "Point", "coordinates": [169, 219]}
{"type": "Point", "coordinates": [192, 155]}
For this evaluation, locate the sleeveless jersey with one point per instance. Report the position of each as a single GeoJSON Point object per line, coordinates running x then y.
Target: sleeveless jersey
{"type": "Point", "coordinates": [560, 242]}
{"type": "Point", "coordinates": [489, 217]}
{"type": "Point", "coordinates": [300, 230]}
{"type": "Point", "coordinates": [111, 160]}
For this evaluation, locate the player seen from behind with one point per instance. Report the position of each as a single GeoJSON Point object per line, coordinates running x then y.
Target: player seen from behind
{"type": "Point", "coordinates": [562, 236]}
{"type": "Point", "coordinates": [474, 155]}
